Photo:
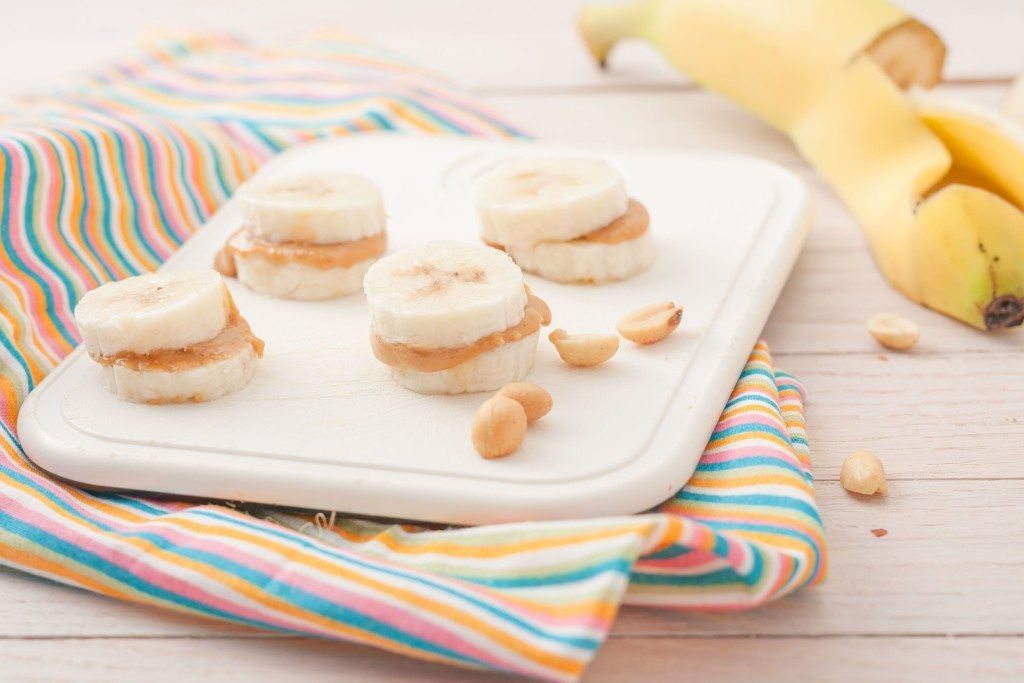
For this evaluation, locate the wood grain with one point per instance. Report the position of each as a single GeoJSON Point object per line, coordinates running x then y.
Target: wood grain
{"type": "Point", "coordinates": [948, 566]}
{"type": "Point", "coordinates": [768, 660]}
{"type": "Point", "coordinates": [831, 294]}
{"type": "Point", "coordinates": [939, 598]}
{"type": "Point", "coordinates": [528, 46]}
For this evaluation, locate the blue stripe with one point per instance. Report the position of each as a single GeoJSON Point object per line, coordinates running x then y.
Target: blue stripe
{"type": "Point", "coordinates": [718, 577]}
{"type": "Point", "coordinates": [63, 219]}
{"type": "Point", "coordinates": [620, 565]}
{"type": "Point", "coordinates": [752, 499]}
{"type": "Point", "coordinates": [82, 217]}
{"type": "Point", "coordinates": [104, 203]}
{"type": "Point", "coordinates": [752, 398]}
{"type": "Point", "coordinates": [261, 581]}
{"type": "Point", "coordinates": [752, 461]}
{"type": "Point", "coordinates": [352, 560]}
{"type": "Point", "coordinates": [20, 360]}
{"type": "Point", "coordinates": [82, 556]}
{"type": "Point", "coordinates": [122, 169]}
{"type": "Point", "coordinates": [751, 428]}
{"type": "Point", "coordinates": [151, 175]}
{"type": "Point", "coordinates": [37, 248]}
{"type": "Point", "coordinates": [12, 252]}
{"type": "Point", "coordinates": [185, 184]}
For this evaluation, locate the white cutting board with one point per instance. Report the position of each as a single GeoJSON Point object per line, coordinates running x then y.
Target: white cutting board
{"type": "Point", "coordinates": [322, 426]}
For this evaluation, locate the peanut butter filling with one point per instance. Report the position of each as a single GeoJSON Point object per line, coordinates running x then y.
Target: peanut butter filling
{"type": "Point", "coordinates": [322, 256]}
{"type": "Point", "coordinates": [628, 226]}
{"type": "Point", "coordinates": [422, 359]}
{"type": "Point", "coordinates": [234, 337]}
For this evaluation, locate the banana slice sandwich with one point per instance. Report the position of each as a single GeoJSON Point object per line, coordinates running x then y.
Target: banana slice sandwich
{"type": "Point", "coordinates": [306, 236]}
{"type": "Point", "coordinates": [451, 318]}
{"type": "Point", "coordinates": [567, 220]}
{"type": "Point", "coordinates": [168, 337]}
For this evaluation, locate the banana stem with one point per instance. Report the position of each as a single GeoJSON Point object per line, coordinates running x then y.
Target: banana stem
{"type": "Point", "coordinates": [602, 26]}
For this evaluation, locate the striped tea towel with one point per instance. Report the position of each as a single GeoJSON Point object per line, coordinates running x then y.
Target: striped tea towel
{"type": "Point", "coordinates": [106, 178]}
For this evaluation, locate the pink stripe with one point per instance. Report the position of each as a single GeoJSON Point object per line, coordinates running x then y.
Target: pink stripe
{"type": "Point", "coordinates": [140, 567]}
{"type": "Point", "coordinates": [16, 232]}
{"type": "Point", "coordinates": [50, 212]}
{"type": "Point", "coordinates": [146, 212]}
{"type": "Point", "coordinates": [733, 452]}
{"type": "Point", "coordinates": [400, 619]}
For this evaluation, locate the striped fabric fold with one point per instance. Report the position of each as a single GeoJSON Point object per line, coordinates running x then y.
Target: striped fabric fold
{"type": "Point", "coordinates": [107, 177]}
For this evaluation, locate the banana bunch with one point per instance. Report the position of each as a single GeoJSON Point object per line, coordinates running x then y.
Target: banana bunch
{"type": "Point", "coordinates": [937, 185]}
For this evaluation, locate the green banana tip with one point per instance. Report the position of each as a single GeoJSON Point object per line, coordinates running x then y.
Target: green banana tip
{"type": "Point", "coordinates": [602, 26]}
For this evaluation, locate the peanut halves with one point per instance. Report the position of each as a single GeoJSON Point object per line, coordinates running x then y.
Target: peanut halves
{"type": "Point", "coordinates": [893, 331]}
{"type": "Point", "coordinates": [863, 473]}
{"type": "Point", "coordinates": [499, 426]}
{"type": "Point", "coordinates": [534, 399]}
{"type": "Point", "coordinates": [652, 323]}
{"type": "Point", "coordinates": [584, 350]}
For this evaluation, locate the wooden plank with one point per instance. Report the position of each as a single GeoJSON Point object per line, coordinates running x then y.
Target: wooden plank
{"type": "Point", "coordinates": [949, 566]}
{"type": "Point", "coordinates": [31, 606]}
{"type": "Point", "coordinates": [945, 419]}
{"type": "Point", "coordinates": [795, 660]}
{"type": "Point", "coordinates": [830, 296]}
{"type": "Point", "coordinates": [687, 120]}
{"type": "Point", "coordinates": [770, 660]}
{"type": "Point", "coordinates": [946, 416]}
{"type": "Point", "coordinates": [490, 45]}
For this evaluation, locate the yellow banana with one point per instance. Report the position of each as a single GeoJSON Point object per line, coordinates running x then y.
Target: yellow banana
{"type": "Point", "coordinates": [939, 188]}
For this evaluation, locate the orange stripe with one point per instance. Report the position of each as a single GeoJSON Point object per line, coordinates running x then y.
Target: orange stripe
{"type": "Point", "coordinates": [23, 558]}
{"type": "Point", "coordinates": [36, 370]}
{"type": "Point", "coordinates": [741, 481]}
{"type": "Point", "coordinates": [293, 555]}
{"type": "Point", "coordinates": [197, 171]}
{"type": "Point", "coordinates": [456, 549]}
{"type": "Point", "coordinates": [139, 255]}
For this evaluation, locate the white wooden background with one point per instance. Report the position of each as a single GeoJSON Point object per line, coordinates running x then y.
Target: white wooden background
{"type": "Point", "coordinates": [940, 598]}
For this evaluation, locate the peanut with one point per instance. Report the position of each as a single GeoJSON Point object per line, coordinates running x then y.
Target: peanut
{"type": "Point", "coordinates": [863, 473]}
{"type": "Point", "coordinates": [584, 350]}
{"type": "Point", "coordinates": [893, 331]}
{"type": "Point", "coordinates": [535, 400]}
{"type": "Point", "coordinates": [499, 427]}
{"type": "Point", "coordinates": [651, 323]}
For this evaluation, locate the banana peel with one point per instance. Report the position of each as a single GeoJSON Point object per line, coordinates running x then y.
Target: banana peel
{"type": "Point", "coordinates": [937, 186]}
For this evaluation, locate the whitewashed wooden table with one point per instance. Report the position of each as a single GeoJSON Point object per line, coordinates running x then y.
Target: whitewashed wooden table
{"type": "Point", "coordinates": [940, 598]}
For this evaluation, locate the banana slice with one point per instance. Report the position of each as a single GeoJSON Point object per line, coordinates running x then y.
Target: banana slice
{"type": "Point", "coordinates": [205, 382]}
{"type": "Point", "coordinates": [299, 270]}
{"type": "Point", "coordinates": [157, 311]}
{"type": "Point", "coordinates": [322, 208]}
{"type": "Point", "coordinates": [528, 201]}
{"type": "Point", "coordinates": [567, 220]}
{"type": "Point", "coordinates": [168, 337]}
{"type": "Point", "coordinates": [582, 261]}
{"type": "Point", "coordinates": [297, 280]}
{"type": "Point", "coordinates": [487, 372]}
{"type": "Point", "coordinates": [306, 236]}
{"type": "Point", "coordinates": [444, 294]}
{"type": "Point", "coordinates": [450, 317]}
